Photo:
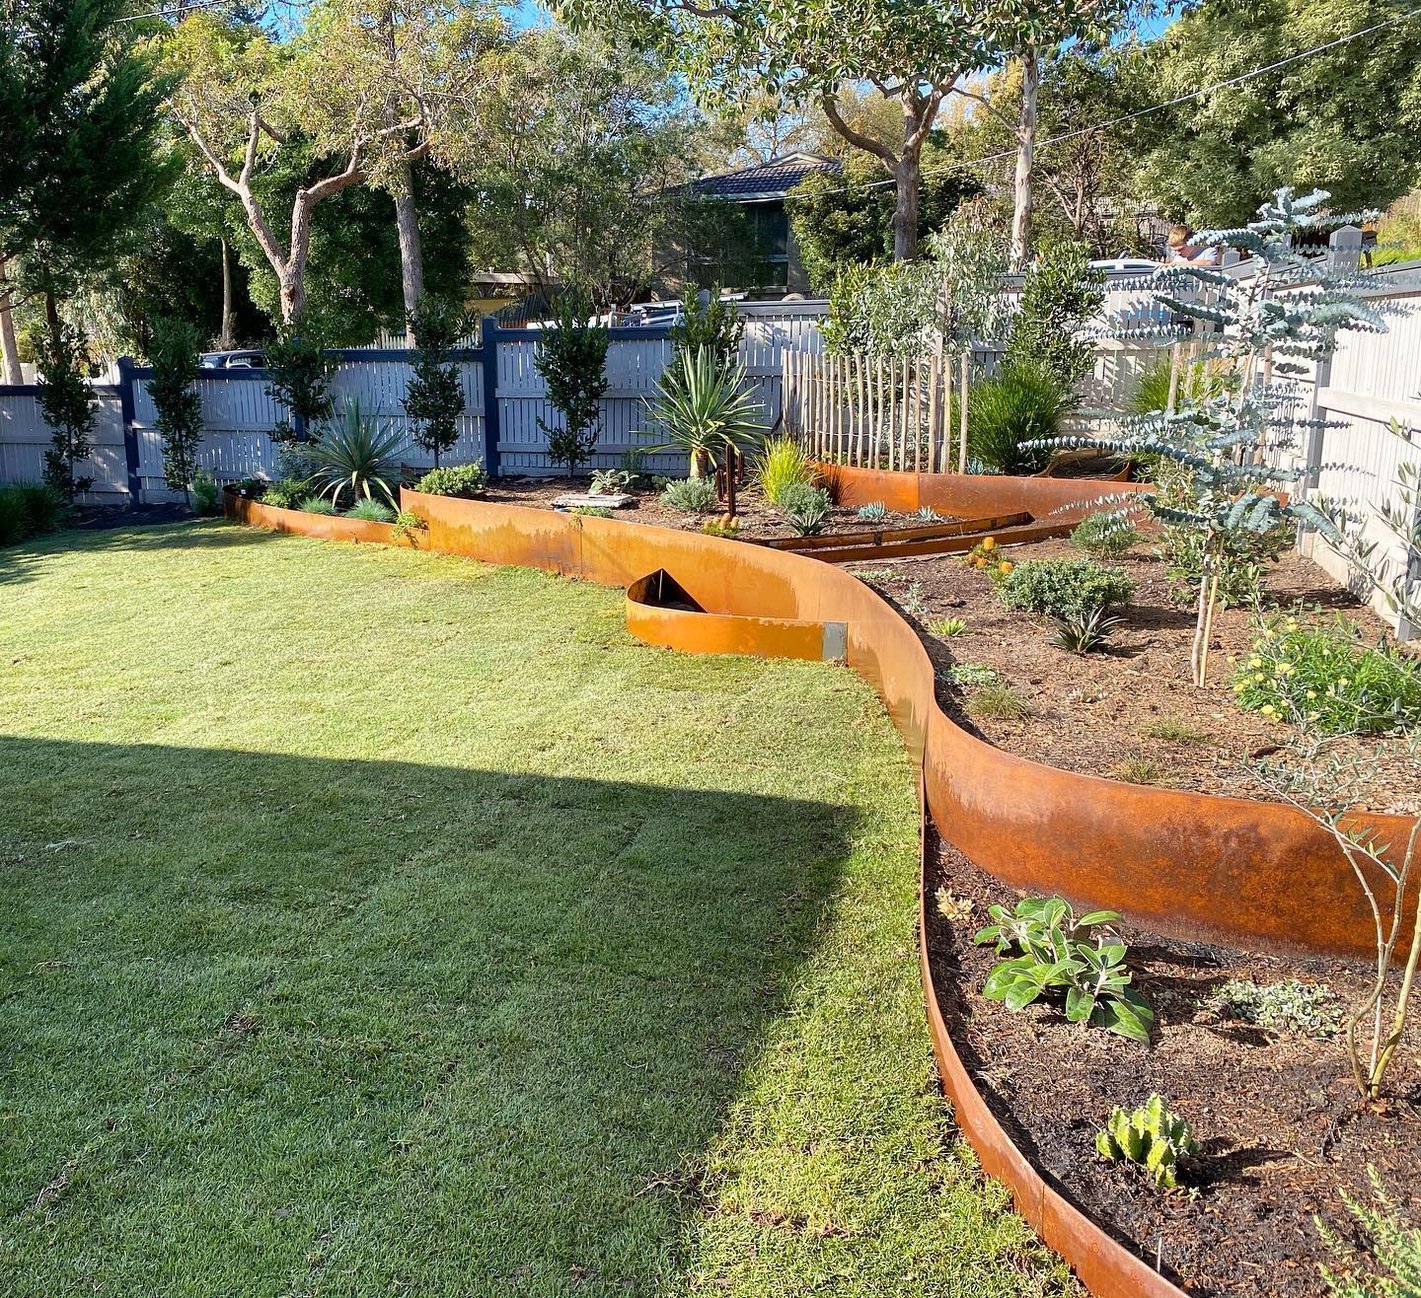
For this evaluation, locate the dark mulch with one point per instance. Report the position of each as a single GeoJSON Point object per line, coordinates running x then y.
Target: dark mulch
{"type": "Point", "coordinates": [1130, 712]}
{"type": "Point", "coordinates": [759, 520]}
{"type": "Point", "coordinates": [1283, 1132]}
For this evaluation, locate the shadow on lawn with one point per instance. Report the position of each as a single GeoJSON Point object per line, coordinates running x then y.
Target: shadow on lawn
{"type": "Point", "coordinates": [452, 1030]}
{"type": "Point", "coordinates": [27, 561]}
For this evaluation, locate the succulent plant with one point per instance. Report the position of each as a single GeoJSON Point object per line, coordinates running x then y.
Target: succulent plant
{"type": "Point", "coordinates": [873, 512]}
{"type": "Point", "coordinates": [1150, 1136]}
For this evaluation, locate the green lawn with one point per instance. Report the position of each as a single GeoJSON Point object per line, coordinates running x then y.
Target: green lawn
{"type": "Point", "coordinates": [380, 923]}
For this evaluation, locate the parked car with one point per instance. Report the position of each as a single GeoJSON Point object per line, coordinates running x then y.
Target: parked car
{"type": "Point", "coordinates": [1126, 265]}
{"type": "Point", "coordinates": [239, 360]}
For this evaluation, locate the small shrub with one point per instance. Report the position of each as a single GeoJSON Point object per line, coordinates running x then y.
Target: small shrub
{"type": "Point", "coordinates": [288, 493]}
{"type": "Point", "coordinates": [316, 505]}
{"type": "Point", "coordinates": [1327, 677]}
{"type": "Point", "coordinates": [611, 482]}
{"type": "Point", "coordinates": [949, 627]}
{"type": "Point", "coordinates": [1152, 1137]}
{"type": "Point", "coordinates": [1080, 962]}
{"type": "Point", "coordinates": [1241, 564]}
{"type": "Point", "coordinates": [571, 359]}
{"type": "Point", "coordinates": [1000, 703]}
{"type": "Point", "coordinates": [593, 511]}
{"type": "Point", "coordinates": [206, 495]}
{"type": "Point", "coordinates": [371, 511]}
{"type": "Point", "coordinates": [967, 676]}
{"type": "Point", "coordinates": [1106, 534]}
{"type": "Point", "coordinates": [691, 496]}
{"type": "Point", "coordinates": [806, 509]}
{"type": "Point", "coordinates": [986, 557]}
{"type": "Point", "coordinates": [874, 512]}
{"type": "Point", "coordinates": [911, 600]}
{"type": "Point", "coordinates": [1062, 588]}
{"type": "Point", "coordinates": [12, 517]}
{"type": "Point", "coordinates": [407, 523]}
{"type": "Point", "coordinates": [780, 466]}
{"type": "Point", "coordinates": [466, 481]}
{"type": "Point", "coordinates": [1304, 1009]}
{"type": "Point", "coordinates": [1083, 633]}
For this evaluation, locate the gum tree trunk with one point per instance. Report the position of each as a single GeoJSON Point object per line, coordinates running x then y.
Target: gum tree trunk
{"type": "Point", "coordinates": [411, 249]}
{"type": "Point", "coordinates": [9, 353]}
{"type": "Point", "coordinates": [1022, 207]}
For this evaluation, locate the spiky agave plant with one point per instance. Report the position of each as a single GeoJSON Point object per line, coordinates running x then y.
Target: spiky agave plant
{"type": "Point", "coordinates": [356, 453]}
{"type": "Point", "coordinates": [706, 412]}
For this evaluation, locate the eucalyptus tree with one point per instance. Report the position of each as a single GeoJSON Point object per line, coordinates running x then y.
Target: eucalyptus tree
{"type": "Point", "coordinates": [820, 51]}
{"type": "Point", "coordinates": [370, 88]}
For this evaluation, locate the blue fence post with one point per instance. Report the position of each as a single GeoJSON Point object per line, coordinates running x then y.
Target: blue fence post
{"type": "Point", "coordinates": [488, 349]}
{"type": "Point", "coordinates": [126, 407]}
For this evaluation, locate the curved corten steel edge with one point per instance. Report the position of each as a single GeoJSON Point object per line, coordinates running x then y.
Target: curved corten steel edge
{"type": "Point", "coordinates": [1107, 1268]}
{"type": "Point", "coordinates": [723, 633]}
{"type": "Point", "coordinates": [324, 527]}
{"type": "Point", "coordinates": [1190, 865]}
{"type": "Point", "coordinates": [1060, 502]}
{"type": "Point", "coordinates": [1183, 863]}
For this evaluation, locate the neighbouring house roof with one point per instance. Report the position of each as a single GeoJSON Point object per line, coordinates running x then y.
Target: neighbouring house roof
{"type": "Point", "coordinates": [772, 179]}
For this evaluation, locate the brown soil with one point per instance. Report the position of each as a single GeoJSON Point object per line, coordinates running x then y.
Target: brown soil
{"type": "Point", "coordinates": [759, 520]}
{"type": "Point", "coordinates": [1131, 711]}
{"type": "Point", "coordinates": [1278, 1116]}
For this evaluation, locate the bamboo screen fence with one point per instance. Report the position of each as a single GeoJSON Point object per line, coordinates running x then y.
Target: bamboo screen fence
{"type": "Point", "coordinates": [879, 412]}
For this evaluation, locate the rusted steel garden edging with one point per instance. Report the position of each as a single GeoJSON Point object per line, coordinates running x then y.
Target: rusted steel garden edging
{"type": "Point", "coordinates": [697, 631]}
{"type": "Point", "coordinates": [1055, 504]}
{"type": "Point", "coordinates": [324, 527]}
{"type": "Point", "coordinates": [1192, 865]}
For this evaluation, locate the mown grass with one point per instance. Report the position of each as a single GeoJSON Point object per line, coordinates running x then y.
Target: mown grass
{"type": "Point", "coordinates": [379, 923]}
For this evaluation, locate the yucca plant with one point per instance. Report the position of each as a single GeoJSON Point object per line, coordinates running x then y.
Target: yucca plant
{"type": "Point", "coordinates": [707, 414]}
{"type": "Point", "coordinates": [355, 455]}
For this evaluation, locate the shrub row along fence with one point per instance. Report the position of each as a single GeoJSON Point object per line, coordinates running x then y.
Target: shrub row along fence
{"type": "Point", "coordinates": [504, 398]}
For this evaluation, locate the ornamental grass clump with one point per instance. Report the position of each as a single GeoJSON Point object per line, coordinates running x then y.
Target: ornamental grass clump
{"type": "Point", "coordinates": [1329, 678]}
{"type": "Point", "coordinates": [1064, 588]}
{"type": "Point", "coordinates": [780, 466]}
{"type": "Point", "coordinates": [371, 511]}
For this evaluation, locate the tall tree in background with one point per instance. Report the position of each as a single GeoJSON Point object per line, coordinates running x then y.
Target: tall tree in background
{"type": "Point", "coordinates": [1347, 120]}
{"type": "Point", "coordinates": [1081, 178]}
{"type": "Point", "coordinates": [815, 51]}
{"type": "Point", "coordinates": [79, 111]}
{"type": "Point", "coordinates": [582, 178]}
{"type": "Point", "coordinates": [342, 91]}
{"type": "Point", "coordinates": [845, 219]}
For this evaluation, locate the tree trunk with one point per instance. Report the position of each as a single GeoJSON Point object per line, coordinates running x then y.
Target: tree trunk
{"type": "Point", "coordinates": [51, 319]}
{"type": "Point", "coordinates": [411, 250]}
{"type": "Point", "coordinates": [10, 371]}
{"type": "Point", "coordinates": [1025, 157]}
{"type": "Point", "coordinates": [224, 334]}
{"type": "Point", "coordinates": [907, 175]}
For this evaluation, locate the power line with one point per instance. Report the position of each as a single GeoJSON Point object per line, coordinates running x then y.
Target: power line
{"type": "Point", "coordinates": [1156, 108]}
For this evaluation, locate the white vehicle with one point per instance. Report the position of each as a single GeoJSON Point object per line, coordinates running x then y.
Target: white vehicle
{"type": "Point", "coordinates": [1126, 266]}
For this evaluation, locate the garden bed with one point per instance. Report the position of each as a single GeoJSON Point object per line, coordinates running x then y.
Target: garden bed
{"type": "Point", "coordinates": [1131, 711]}
{"type": "Point", "coordinates": [1282, 1131]}
{"type": "Point", "coordinates": [759, 520]}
